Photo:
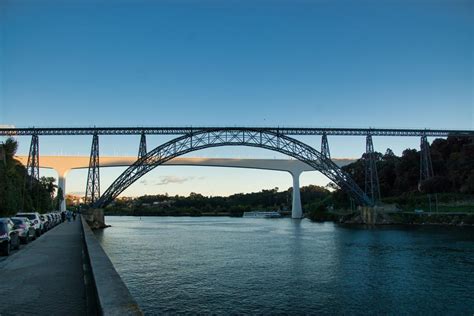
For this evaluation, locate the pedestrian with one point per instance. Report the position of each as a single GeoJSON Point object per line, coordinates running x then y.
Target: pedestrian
{"type": "Point", "coordinates": [68, 216]}
{"type": "Point", "coordinates": [74, 216]}
{"type": "Point", "coordinates": [63, 216]}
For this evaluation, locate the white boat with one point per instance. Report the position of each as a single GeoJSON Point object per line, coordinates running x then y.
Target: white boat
{"type": "Point", "coordinates": [271, 214]}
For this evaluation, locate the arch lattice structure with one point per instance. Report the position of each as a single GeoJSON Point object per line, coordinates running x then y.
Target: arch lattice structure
{"type": "Point", "coordinates": [201, 139]}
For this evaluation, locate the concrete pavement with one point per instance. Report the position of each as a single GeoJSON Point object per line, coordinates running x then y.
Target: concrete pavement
{"type": "Point", "coordinates": [46, 276]}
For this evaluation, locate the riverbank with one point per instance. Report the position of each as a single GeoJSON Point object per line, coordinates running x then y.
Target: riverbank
{"type": "Point", "coordinates": [176, 213]}
{"type": "Point", "coordinates": [406, 218]}
{"type": "Point", "coordinates": [399, 218]}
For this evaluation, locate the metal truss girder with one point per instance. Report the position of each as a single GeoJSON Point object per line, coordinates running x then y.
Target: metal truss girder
{"type": "Point", "coordinates": [13, 131]}
{"type": "Point", "coordinates": [253, 136]}
{"type": "Point", "coordinates": [236, 137]}
{"type": "Point", "coordinates": [227, 137]}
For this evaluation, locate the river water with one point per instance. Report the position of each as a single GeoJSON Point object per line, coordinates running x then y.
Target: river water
{"type": "Point", "coordinates": [223, 265]}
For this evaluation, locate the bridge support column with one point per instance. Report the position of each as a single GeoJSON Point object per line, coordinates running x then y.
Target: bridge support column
{"type": "Point", "coordinates": [372, 187]}
{"type": "Point", "coordinates": [94, 217]}
{"type": "Point", "coordinates": [369, 215]}
{"type": "Point", "coordinates": [62, 173]}
{"type": "Point", "coordinates": [93, 179]}
{"type": "Point", "coordinates": [62, 185]}
{"type": "Point", "coordinates": [426, 169]}
{"type": "Point", "coordinates": [32, 166]}
{"type": "Point", "coordinates": [296, 210]}
{"type": "Point", "coordinates": [142, 148]}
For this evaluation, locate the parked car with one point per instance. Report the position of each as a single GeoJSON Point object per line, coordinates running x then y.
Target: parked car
{"type": "Point", "coordinates": [34, 217]}
{"type": "Point", "coordinates": [25, 228]}
{"type": "Point", "coordinates": [56, 217]}
{"type": "Point", "coordinates": [45, 221]}
{"type": "Point", "coordinates": [50, 220]}
{"type": "Point", "coordinates": [53, 218]}
{"type": "Point", "coordinates": [9, 238]}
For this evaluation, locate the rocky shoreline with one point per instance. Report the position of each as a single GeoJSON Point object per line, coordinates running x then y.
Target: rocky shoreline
{"type": "Point", "coordinates": [402, 218]}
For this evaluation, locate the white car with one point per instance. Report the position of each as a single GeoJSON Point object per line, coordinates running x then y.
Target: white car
{"type": "Point", "coordinates": [34, 217]}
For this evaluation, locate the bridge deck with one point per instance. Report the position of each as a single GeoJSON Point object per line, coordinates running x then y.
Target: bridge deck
{"type": "Point", "coordinates": [46, 276]}
{"type": "Point", "coordinates": [13, 131]}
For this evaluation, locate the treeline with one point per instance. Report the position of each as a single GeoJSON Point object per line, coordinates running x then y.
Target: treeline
{"type": "Point", "coordinates": [18, 191]}
{"type": "Point", "coordinates": [235, 205]}
{"type": "Point", "coordinates": [399, 177]}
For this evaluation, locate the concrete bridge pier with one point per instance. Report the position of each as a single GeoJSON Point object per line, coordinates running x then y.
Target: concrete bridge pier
{"type": "Point", "coordinates": [62, 173]}
{"type": "Point", "coordinates": [94, 217]}
{"type": "Point", "coordinates": [62, 185]}
{"type": "Point", "coordinates": [369, 215]}
{"type": "Point", "coordinates": [296, 210]}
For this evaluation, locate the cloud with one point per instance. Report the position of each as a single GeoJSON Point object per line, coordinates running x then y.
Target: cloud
{"type": "Point", "coordinates": [163, 180]}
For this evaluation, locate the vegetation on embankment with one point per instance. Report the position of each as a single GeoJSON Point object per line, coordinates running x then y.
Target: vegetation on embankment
{"type": "Point", "coordinates": [18, 191]}
{"type": "Point", "coordinates": [234, 205]}
{"type": "Point", "coordinates": [451, 190]}
{"type": "Point", "coordinates": [399, 177]}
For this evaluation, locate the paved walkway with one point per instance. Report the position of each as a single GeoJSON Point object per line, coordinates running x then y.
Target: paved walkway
{"type": "Point", "coordinates": [46, 276]}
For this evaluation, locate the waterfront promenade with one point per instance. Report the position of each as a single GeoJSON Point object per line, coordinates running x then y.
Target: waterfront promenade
{"type": "Point", "coordinates": [46, 276]}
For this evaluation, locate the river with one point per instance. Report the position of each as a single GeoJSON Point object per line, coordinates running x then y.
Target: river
{"type": "Point", "coordinates": [223, 265]}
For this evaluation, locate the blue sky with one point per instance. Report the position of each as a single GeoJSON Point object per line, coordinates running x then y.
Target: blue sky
{"type": "Point", "coordinates": [402, 64]}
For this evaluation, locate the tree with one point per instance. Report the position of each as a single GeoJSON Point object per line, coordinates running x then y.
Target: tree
{"type": "Point", "coordinates": [10, 146]}
{"type": "Point", "coordinates": [48, 185]}
{"type": "Point", "coordinates": [388, 154]}
{"type": "Point", "coordinates": [435, 185]}
{"type": "Point", "coordinates": [15, 196]}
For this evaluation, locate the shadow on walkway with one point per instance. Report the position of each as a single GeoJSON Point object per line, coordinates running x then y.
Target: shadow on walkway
{"type": "Point", "coordinates": [46, 276]}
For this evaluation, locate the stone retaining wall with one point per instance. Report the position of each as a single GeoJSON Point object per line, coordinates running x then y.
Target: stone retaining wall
{"type": "Point", "coordinates": [113, 295]}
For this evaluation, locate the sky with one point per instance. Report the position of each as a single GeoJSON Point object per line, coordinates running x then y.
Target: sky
{"type": "Point", "coordinates": [387, 64]}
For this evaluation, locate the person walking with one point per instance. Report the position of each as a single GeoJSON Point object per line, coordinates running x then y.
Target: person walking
{"type": "Point", "coordinates": [74, 216]}
{"type": "Point", "coordinates": [63, 216]}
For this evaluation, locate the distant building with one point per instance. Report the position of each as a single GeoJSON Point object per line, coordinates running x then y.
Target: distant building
{"type": "Point", "coordinates": [72, 199]}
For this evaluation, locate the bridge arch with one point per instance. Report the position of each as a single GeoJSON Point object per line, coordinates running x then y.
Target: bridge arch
{"type": "Point", "coordinates": [201, 139]}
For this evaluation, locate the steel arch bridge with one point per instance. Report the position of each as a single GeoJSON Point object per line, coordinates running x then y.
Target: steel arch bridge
{"type": "Point", "coordinates": [201, 139]}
